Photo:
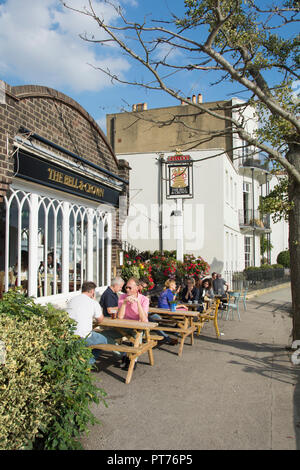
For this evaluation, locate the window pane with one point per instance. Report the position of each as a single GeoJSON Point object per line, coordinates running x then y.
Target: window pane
{"type": "Point", "coordinates": [105, 253]}
{"type": "Point", "coordinates": [72, 253]}
{"type": "Point", "coordinates": [23, 278]}
{"type": "Point", "coordinates": [13, 243]}
{"type": "Point", "coordinates": [41, 250]}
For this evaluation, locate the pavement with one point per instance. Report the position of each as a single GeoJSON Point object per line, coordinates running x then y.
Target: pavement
{"type": "Point", "coordinates": [236, 393]}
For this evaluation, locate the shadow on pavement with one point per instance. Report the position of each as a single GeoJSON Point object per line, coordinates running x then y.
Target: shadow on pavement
{"type": "Point", "coordinates": [271, 305]}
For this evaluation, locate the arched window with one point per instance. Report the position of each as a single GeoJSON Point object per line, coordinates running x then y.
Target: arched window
{"type": "Point", "coordinates": [60, 259]}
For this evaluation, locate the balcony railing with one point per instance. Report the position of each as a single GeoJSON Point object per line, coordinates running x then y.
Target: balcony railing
{"type": "Point", "coordinates": [250, 218]}
{"type": "Point", "coordinates": [257, 163]}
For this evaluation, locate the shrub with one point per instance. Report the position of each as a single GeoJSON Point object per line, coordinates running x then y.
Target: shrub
{"type": "Point", "coordinates": [58, 377]}
{"type": "Point", "coordinates": [284, 258]}
{"type": "Point", "coordinates": [23, 390]}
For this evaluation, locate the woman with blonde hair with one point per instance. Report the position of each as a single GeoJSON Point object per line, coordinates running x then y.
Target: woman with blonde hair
{"type": "Point", "coordinates": [169, 294]}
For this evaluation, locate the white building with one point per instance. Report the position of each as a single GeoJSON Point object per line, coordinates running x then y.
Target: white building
{"type": "Point", "coordinates": [221, 222]}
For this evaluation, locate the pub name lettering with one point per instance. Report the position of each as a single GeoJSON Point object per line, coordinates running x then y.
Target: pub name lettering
{"type": "Point", "coordinates": [74, 182]}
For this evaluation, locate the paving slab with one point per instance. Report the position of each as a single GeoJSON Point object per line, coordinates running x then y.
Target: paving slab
{"type": "Point", "coordinates": [238, 392]}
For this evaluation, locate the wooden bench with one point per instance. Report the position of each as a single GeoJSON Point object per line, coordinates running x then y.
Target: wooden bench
{"type": "Point", "coordinates": [211, 314]}
{"type": "Point", "coordinates": [183, 321]}
{"type": "Point", "coordinates": [138, 347]}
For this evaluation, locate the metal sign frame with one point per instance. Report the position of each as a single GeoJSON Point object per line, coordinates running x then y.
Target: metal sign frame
{"type": "Point", "coordinates": [179, 177]}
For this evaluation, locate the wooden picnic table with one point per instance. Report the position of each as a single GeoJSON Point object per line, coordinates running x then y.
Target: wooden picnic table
{"type": "Point", "coordinates": [183, 319]}
{"type": "Point", "coordinates": [192, 306]}
{"type": "Point", "coordinates": [137, 348]}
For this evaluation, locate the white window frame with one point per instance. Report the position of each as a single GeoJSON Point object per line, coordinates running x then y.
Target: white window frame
{"type": "Point", "coordinates": [38, 197]}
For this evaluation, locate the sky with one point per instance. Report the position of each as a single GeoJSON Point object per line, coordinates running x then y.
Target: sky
{"type": "Point", "coordinates": [40, 45]}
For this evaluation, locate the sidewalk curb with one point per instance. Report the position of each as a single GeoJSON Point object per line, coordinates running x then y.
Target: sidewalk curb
{"type": "Point", "coordinates": [267, 290]}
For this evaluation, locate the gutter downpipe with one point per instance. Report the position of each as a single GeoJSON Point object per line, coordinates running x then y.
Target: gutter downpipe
{"type": "Point", "coordinates": [253, 213]}
{"type": "Point", "coordinates": [160, 200]}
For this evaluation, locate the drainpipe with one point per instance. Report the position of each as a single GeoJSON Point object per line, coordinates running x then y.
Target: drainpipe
{"type": "Point", "coordinates": [253, 213]}
{"type": "Point", "coordinates": [160, 200]}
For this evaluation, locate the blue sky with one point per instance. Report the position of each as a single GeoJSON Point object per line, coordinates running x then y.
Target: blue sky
{"type": "Point", "coordinates": [39, 44]}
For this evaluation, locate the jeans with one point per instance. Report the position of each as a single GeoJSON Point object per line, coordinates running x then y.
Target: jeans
{"type": "Point", "coordinates": [153, 317]}
{"type": "Point", "coordinates": [95, 338]}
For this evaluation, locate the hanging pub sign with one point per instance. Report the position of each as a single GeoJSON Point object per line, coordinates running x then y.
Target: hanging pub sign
{"type": "Point", "coordinates": [179, 177]}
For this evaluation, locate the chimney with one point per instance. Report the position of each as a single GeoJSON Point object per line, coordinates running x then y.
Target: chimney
{"type": "Point", "coordinates": [200, 98]}
{"type": "Point", "coordinates": [140, 107]}
{"type": "Point", "coordinates": [194, 99]}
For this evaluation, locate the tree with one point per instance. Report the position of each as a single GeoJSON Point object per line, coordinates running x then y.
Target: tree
{"type": "Point", "coordinates": [238, 41]}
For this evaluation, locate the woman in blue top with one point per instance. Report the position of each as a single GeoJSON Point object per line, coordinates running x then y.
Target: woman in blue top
{"type": "Point", "coordinates": [167, 296]}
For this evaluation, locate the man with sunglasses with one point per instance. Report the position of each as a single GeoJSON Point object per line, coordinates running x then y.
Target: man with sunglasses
{"type": "Point", "coordinates": [132, 306]}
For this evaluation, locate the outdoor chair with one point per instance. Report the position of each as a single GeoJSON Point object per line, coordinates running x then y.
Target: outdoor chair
{"type": "Point", "coordinates": [211, 314]}
{"type": "Point", "coordinates": [233, 305]}
{"type": "Point", "coordinates": [244, 298]}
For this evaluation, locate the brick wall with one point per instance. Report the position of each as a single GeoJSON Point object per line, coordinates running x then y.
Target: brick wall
{"type": "Point", "coordinates": [61, 120]}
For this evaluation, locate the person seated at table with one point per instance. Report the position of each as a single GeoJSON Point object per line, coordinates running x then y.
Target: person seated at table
{"type": "Point", "coordinates": [206, 292]}
{"type": "Point", "coordinates": [84, 309]}
{"type": "Point", "coordinates": [109, 299]}
{"type": "Point", "coordinates": [190, 292]}
{"type": "Point", "coordinates": [132, 306]}
{"type": "Point", "coordinates": [169, 295]}
{"type": "Point", "coordinates": [143, 285]}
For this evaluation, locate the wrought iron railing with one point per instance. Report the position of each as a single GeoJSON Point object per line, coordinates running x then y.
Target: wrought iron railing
{"type": "Point", "coordinates": [248, 217]}
{"type": "Point", "coordinates": [256, 278]}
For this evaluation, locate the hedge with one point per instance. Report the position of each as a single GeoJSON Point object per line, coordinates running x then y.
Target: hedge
{"type": "Point", "coordinates": [284, 258]}
{"type": "Point", "coordinates": [45, 383]}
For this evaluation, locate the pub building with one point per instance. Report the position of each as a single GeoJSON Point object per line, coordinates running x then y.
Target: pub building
{"type": "Point", "coordinates": [60, 190]}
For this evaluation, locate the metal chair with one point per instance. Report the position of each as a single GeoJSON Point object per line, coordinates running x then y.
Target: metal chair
{"type": "Point", "coordinates": [244, 298]}
{"type": "Point", "coordinates": [233, 304]}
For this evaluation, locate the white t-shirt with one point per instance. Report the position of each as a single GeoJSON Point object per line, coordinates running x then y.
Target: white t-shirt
{"type": "Point", "coordinates": [83, 309]}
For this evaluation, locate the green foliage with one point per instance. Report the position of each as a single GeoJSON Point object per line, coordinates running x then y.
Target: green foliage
{"type": "Point", "coordinates": [277, 202]}
{"type": "Point", "coordinates": [58, 378]}
{"type": "Point", "coordinates": [158, 267]}
{"type": "Point", "coordinates": [23, 390]}
{"type": "Point", "coordinates": [263, 267]}
{"type": "Point", "coordinates": [265, 245]}
{"type": "Point", "coordinates": [284, 258]}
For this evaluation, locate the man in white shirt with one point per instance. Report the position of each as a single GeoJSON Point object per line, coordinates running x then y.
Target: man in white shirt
{"type": "Point", "coordinates": [83, 308]}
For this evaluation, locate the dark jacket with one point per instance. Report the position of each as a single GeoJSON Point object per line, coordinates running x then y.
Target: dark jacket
{"type": "Point", "coordinates": [195, 294]}
{"type": "Point", "coordinates": [202, 293]}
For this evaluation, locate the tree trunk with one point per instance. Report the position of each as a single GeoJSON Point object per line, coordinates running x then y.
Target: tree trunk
{"type": "Point", "coordinates": [293, 156]}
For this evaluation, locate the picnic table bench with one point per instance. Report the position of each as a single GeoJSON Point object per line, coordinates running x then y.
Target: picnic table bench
{"type": "Point", "coordinates": [183, 320]}
{"type": "Point", "coordinates": [136, 348]}
{"type": "Point", "coordinates": [211, 314]}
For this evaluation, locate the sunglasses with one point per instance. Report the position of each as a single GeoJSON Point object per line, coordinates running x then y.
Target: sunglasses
{"type": "Point", "coordinates": [128, 288]}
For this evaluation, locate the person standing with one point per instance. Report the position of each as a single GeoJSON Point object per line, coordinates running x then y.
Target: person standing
{"type": "Point", "coordinates": [84, 309]}
{"type": "Point", "coordinates": [219, 284]}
